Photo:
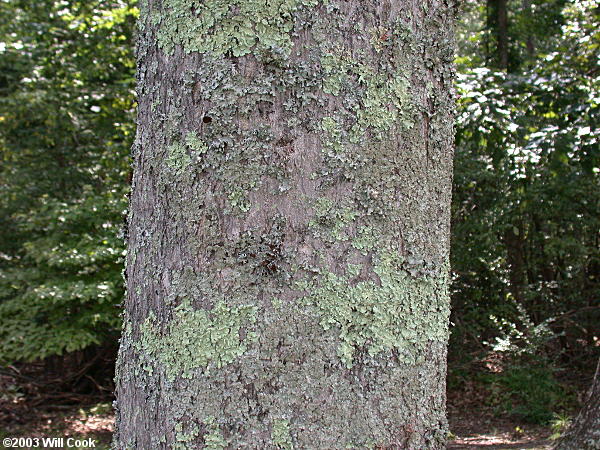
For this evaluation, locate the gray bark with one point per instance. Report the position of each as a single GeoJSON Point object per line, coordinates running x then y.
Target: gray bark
{"type": "Point", "coordinates": [287, 270]}
{"type": "Point", "coordinates": [584, 433]}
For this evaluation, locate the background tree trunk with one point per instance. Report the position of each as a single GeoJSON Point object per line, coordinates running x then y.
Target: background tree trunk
{"type": "Point", "coordinates": [584, 434]}
{"type": "Point", "coordinates": [497, 22]}
{"type": "Point", "coordinates": [287, 270]}
{"type": "Point", "coordinates": [514, 243]}
{"type": "Point", "coordinates": [529, 40]}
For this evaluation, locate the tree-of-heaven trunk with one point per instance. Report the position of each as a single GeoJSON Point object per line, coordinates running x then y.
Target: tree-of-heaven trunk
{"type": "Point", "coordinates": [288, 234]}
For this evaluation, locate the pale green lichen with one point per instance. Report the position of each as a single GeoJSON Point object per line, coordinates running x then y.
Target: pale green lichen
{"type": "Point", "coordinates": [238, 199]}
{"type": "Point", "coordinates": [177, 157]}
{"type": "Point", "coordinates": [397, 313]}
{"type": "Point", "coordinates": [184, 440]}
{"type": "Point", "coordinates": [237, 27]}
{"type": "Point", "coordinates": [354, 270]}
{"type": "Point", "coordinates": [195, 143]}
{"type": "Point", "coordinates": [333, 130]}
{"type": "Point", "coordinates": [276, 302]}
{"type": "Point", "coordinates": [335, 68]}
{"type": "Point", "coordinates": [366, 239]}
{"type": "Point", "coordinates": [368, 444]}
{"type": "Point", "coordinates": [385, 102]}
{"type": "Point", "coordinates": [213, 439]}
{"type": "Point", "coordinates": [377, 105]}
{"type": "Point", "coordinates": [331, 220]}
{"type": "Point", "coordinates": [195, 338]}
{"type": "Point", "coordinates": [380, 38]}
{"type": "Point", "coordinates": [280, 434]}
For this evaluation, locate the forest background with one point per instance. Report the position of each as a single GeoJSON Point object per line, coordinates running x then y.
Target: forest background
{"type": "Point", "coordinates": [525, 215]}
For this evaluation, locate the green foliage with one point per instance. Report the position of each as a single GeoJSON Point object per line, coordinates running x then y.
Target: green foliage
{"type": "Point", "coordinates": [525, 386]}
{"type": "Point", "coordinates": [526, 206]}
{"type": "Point", "coordinates": [66, 105]}
{"type": "Point", "coordinates": [560, 424]}
{"type": "Point", "coordinates": [534, 28]}
{"type": "Point", "coordinates": [528, 392]}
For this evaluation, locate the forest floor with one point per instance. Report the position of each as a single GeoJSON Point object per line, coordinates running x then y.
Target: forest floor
{"type": "Point", "coordinates": [473, 430]}
{"type": "Point", "coordinates": [475, 423]}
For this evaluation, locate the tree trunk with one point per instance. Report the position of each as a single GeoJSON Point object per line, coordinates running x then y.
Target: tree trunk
{"type": "Point", "coordinates": [497, 22]}
{"type": "Point", "coordinates": [515, 256]}
{"type": "Point", "coordinates": [584, 434]}
{"type": "Point", "coordinates": [287, 270]}
{"type": "Point", "coordinates": [529, 40]}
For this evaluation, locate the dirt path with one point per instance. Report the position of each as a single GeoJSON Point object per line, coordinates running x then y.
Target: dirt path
{"type": "Point", "coordinates": [478, 428]}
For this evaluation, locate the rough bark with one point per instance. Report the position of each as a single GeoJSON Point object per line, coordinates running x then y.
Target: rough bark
{"type": "Point", "coordinates": [288, 233]}
{"type": "Point", "coordinates": [584, 434]}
